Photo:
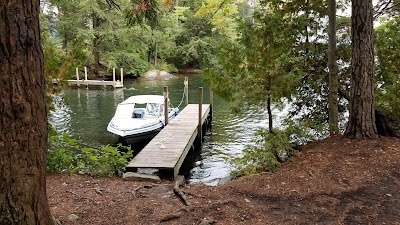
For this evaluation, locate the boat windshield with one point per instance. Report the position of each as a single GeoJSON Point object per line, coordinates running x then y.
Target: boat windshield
{"type": "Point", "coordinates": [153, 109]}
{"type": "Point", "coordinates": [124, 111]}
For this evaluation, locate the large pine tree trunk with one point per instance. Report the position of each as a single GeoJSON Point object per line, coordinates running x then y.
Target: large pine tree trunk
{"type": "Point", "coordinates": [96, 40]}
{"type": "Point", "coordinates": [23, 116]}
{"type": "Point", "coordinates": [270, 125]}
{"type": "Point", "coordinates": [333, 76]}
{"type": "Point", "coordinates": [362, 115]}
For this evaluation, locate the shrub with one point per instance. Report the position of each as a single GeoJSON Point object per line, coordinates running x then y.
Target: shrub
{"type": "Point", "coordinates": [66, 155]}
{"type": "Point", "coordinates": [268, 150]}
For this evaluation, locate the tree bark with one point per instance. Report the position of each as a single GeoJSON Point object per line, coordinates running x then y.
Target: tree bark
{"type": "Point", "coordinates": [362, 115]}
{"type": "Point", "coordinates": [23, 116]}
{"type": "Point", "coordinates": [96, 52]}
{"type": "Point", "coordinates": [270, 121]}
{"type": "Point", "coordinates": [333, 76]}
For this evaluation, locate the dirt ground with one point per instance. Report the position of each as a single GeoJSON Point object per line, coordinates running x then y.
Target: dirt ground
{"type": "Point", "coordinates": [334, 181]}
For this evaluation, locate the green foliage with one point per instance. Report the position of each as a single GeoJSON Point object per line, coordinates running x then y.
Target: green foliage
{"type": "Point", "coordinates": [270, 149]}
{"type": "Point", "coordinates": [388, 67]}
{"type": "Point", "coordinates": [137, 36]}
{"type": "Point", "coordinates": [387, 94]}
{"type": "Point", "coordinates": [66, 155]}
{"type": "Point", "coordinates": [259, 63]}
{"type": "Point", "coordinates": [143, 11]}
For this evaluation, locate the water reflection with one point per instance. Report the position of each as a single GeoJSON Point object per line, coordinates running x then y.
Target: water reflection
{"type": "Point", "coordinates": [86, 113]}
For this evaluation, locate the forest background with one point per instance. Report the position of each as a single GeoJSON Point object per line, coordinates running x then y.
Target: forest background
{"type": "Point", "coordinates": [266, 52]}
{"type": "Point", "coordinates": [251, 52]}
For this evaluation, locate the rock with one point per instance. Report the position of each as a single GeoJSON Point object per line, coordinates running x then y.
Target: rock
{"type": "Point", "coordinates": [207, 222]}
{"type": "Point", "coordinates": [140, 177]}
{"type": "Point", "coordinates": [224, 180]}
{"type": "Point", "coordinates": [157, 75]}
{"type": "Point", "coordinates": [56, 221]}
{"type": "Point", "coordinates": [72, 217]}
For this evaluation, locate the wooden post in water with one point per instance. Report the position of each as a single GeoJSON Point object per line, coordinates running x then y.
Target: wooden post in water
{"type": "Point", "coordinates": [114, 77]}
{"type": "Point", "coordinates": [77, 77]}
{"type": "Point", "coordinates": [211, 101]}
{"type": "Point", "coordinates": [166, 105]}
{"type": "Point", "coordinates": [122, 77]}
{"type": "Point", "coordinates": [200, 129]}
{"type": "Point", "coordinates": [186, 90]}
{"type": "Point", "coordinates": [87, 86]}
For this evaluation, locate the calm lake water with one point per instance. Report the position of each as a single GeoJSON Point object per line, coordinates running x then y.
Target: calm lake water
{"type": "Point", "coordinates": [86, 113]}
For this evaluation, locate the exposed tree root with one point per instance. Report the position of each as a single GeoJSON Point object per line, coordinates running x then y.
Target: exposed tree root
{"type": "Point", "coordinates": [192, 194]}
{"type": "Point", "coordinates": [83, 197]}
{"type": "Point", "coordinates": [177, 214]}
{"type": "Point", "coordinates": [224, 202]}
{"type": "Point", "coordinates": [140, 187]}
{"type": "Point", "coordinates": [178, 191]}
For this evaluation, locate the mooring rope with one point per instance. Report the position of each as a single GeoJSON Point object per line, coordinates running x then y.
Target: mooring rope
{"type": "Point", "coordinates": [183, 98]}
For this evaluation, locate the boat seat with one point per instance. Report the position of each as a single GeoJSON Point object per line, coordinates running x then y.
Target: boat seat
{"type": "Point", "coordinates": [138, 113]}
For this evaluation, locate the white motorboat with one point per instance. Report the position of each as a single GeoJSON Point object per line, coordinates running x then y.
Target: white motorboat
{"type": "Point", "coordinates": [140, 118]}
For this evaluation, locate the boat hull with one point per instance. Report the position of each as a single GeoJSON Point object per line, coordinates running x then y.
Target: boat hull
{"type": "Point", "coordinates": [137, 138]}
{"type": "Point", "coordinates": [142, 135]}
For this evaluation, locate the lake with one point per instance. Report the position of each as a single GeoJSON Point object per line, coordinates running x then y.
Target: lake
{"type": "Point", "coordinates": [85, 114]}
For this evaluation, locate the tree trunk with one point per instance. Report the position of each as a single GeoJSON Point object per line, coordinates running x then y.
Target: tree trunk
{"type": "Point", "coordinates": [155, 54]}
{"type": "Point", "coordinates": [23, 116]}
{"type": "Point", "coordinates": [96, 53]}
{"type": "Point", "coordinates": [333, 76]}
{"type": "Point", "coordinates": [270, 125]}
{"type": "Point", "coordinates": [362, 115]}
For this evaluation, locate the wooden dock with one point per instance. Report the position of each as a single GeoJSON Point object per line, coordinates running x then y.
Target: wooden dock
{"type": "Point", "coordinates": [114, 83]}
{"type": "Point", "coordinates": [169, 148]}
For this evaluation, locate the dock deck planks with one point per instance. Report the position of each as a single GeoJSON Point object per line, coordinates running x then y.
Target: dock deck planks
{"type": "Point", "coordinates": [169, 148]}
{"type": "Point", "coordinates": [117, 84]}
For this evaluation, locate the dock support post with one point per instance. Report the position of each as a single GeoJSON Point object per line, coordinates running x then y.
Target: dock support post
{"type": "Point", "coordinates": [87, 86]}
{"type": "Point", "coordinates": [200, 129]}
{"type": "Point", "coordinates": [114, 77]}
{"type": "Point", "coordinates": [77, 77]}
{"type": "Point", "coordinates": [211, 105]}
{"type": "Point", "coordinates": [122, 77]}
{"type": "Point", "coordinates": [166, 105]}
{"type": "Point", "coordinates": [186, 90]}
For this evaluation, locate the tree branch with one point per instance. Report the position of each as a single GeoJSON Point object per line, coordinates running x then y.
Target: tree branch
{"type": "Point", "coordinates": [344, 94]}
{"type": "Point", "coordinates": [112, 3]}
{"type": "Point", "coordinates": [384, 7]}
{"type": "Point", "coordinates": [220, 6]}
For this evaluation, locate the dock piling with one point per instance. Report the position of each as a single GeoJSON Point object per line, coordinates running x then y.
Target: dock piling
{"type": "Point", "coordinates": [87, 86]}
{"type": "Point", "coordinates": [211, 102]}
{"type": "Point", "coordinates": [114, 77]}
{"type": "Point", "coordinates": [77, 77]}
{"type": "Point", "coordinates": [122, 76]}
{"type": "Point", "coordinates": [199, 129]}
{"type": "Point", "coordinates": [166, 105]}
{"type": "Point", "coordinates": [186, 90]}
